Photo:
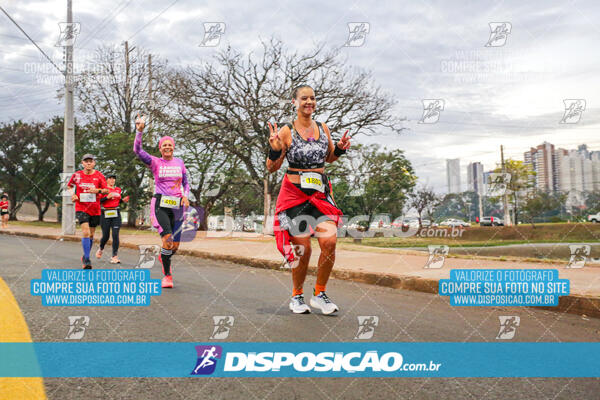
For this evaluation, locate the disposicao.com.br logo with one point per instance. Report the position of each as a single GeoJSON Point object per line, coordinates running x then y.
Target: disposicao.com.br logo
{"type": "Point", "coordinates": [338, 363]}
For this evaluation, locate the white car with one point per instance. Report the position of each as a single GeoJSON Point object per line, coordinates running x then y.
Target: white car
{"type": "Point", "coordinates": [491, 221]}
{"type": "Point", "coordinates": [453, 222]}
{"type": "Point", "coordinates": [594, 217]}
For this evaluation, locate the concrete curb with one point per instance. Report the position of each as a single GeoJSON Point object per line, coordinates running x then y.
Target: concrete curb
{"type": "Point", "coordinates": [573, 304]}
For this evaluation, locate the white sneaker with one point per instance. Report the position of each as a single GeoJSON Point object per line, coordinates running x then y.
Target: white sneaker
{"type": "Point", "coordinates": [298, 306]}
{"type": "Point", "coordinates": [322, 301]}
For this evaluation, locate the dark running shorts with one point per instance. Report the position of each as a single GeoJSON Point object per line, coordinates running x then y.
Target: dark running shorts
{"type": "Point", "coordinates": [299, 217]}
{"type": "Point", "coordinates": [83, 217]}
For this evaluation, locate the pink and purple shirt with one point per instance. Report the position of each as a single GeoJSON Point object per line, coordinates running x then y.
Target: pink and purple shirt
{"type": "Point", "coordinates": [169, 175]}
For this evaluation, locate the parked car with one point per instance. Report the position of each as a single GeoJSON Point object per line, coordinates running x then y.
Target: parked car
{"type": "Point", "coordinates": [491, 221]}
{"type": "Point", "coordinates": [381, 224]}
{"type": "Point", "coordinates": [453, 222]}
{"type": "Point", "coordinates": [427, 223]}
{"type": "Point", "coordinates": [594, 217]}
{"type": "Point", "coordinates": [356, 226]}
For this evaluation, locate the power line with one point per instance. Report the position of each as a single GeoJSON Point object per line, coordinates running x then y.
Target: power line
{"type": "Point", "coordinates": [153, 19]}
{"type": "Point", "coordinates": [102, 25]}
{"type": "Point", "coordinates": [30, 39]}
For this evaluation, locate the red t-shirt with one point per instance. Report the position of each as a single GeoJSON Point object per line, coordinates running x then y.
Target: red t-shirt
{"type": "Point", "coordinates": [114, 202]}
{"type": "Point", "coordinates": [4, 205]}
{"type": "Point", "coordinates": [87, 202]}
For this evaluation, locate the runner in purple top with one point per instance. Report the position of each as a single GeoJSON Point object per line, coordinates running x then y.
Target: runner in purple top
{"type": "Point", "coordinates": [169, 200]}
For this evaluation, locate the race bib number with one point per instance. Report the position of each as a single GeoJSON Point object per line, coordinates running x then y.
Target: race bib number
{"type": "Point", "coordinates": [110, 214]}
{"type": "Point", "coordinates": [170, 201]}
{"type": "Point", "coordinates": [312, 180]}
{"type": "Point", "coordinates": [87, 197]}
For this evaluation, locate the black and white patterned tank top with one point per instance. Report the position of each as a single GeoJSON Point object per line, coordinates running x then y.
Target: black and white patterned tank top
{"type": "Point", "coordinates": [307, 154]}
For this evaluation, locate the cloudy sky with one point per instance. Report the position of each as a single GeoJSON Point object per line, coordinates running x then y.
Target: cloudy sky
{"type": "Point", "coordinates": [511, 94]}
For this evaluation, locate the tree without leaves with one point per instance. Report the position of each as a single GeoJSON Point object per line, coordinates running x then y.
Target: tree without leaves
{"type": "Point", "coordinates": [422, 200]}
{"type": "Point", "coordinates": [213, 176]}
{"type": "Point", "coordinates": [227, 103]}
{"type": "Point", "coordinates": [109, 96]}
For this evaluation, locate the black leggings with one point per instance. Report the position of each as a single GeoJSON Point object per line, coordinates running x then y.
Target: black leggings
{"type": "Point", "coordinates": [107, 224]}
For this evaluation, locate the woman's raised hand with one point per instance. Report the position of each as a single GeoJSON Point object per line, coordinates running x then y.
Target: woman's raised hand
{"type": "Point", "coordinates": [140, 123]}
{"type": "Point", "coordinates": [344, 142]}
{"type": "Point", "coordinates": [274, 139]}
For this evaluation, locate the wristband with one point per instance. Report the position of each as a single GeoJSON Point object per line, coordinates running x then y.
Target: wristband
{"type": "Point", "coordinates": [274, 155]}
{"type": "Point", "coordinates": [338, 152]}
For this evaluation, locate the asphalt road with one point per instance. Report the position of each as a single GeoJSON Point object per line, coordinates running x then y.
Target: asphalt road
{"type": "Point", "coordinates": [258, 300]}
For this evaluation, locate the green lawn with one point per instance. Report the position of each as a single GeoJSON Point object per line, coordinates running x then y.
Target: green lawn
{"type": "Point", "coordinates": [495, 236]}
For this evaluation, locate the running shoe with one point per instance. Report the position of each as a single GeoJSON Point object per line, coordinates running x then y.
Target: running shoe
{"type": "Point", "coordinates": [87, 264]}
{"type": "Point", "coordinates": [167, 282]}
{"type": "Point", "coordinates": [324, 303]}
{"type": "Point", "coordinates": [298, 306]}
{"type": "Point", "coordinates": [99, 253]}
{"type": "Point", "coordinates": [115, 260]}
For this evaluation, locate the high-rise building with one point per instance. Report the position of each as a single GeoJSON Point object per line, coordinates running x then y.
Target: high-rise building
{"type": "Point", "coordinates": [563, 167]}
{"type": "Point", "coordinates": [475, 177]}
{"type": "Point", "coordinates": [564, 170]}
{"type": "Point", "coordinates": [595, 156]}
{"type": "Point", "coordinates": [583, 150]}
{"type": "Point", "coordinates": [587, 172]}
{"type": "Point", "coordinates": [576, 170]}
{"type": "Point", "coordinates": [542, 161]}
{"type": "Point", "coordinates": [453, 175]}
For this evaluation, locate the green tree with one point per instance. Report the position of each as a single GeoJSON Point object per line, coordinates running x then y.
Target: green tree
{"type": "Point", "coordinates": [457, 205]}
{"type": "Point", "coordinates": [372, 180]}
{"type": "Point", "coordinates": [16, 146]}
{"type": "Point", "coordinates": [44, 165]}
{"type": "Point", "coordinates": [520, 183]}
{"type": "Point", "coordinates": [538, 203]}
{"type": "Point", "coordinates": [592, 202]}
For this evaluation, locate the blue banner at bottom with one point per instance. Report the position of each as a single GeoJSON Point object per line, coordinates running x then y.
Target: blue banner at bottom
{"type": "Point", "coordinates": [299, 359]}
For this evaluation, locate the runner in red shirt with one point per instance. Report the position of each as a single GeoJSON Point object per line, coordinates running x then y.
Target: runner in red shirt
{"type": "Point", "coordinates": [111, 218]}
{"type": "Point", "coordinates": [4, 210]}
{"type": "Point", "coordinates": [88, 184]}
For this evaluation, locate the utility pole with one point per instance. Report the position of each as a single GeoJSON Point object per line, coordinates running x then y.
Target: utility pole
{"type": "Point", "coordinates": [480, 201]}
{"type": "Point", "coordinates": [505, 195]}
{"type": "Point", "coordinates": [150, 107]}
{"type": "Point", "coordinates": [127, 87]}
{"type": "Point", "coordinates": [68, 208]}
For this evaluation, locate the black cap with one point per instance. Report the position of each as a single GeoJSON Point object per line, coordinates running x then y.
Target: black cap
{"type": "Point", "coordinates": [111, 176]}
{"type": "Point", "coordinates": [87, 156]}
